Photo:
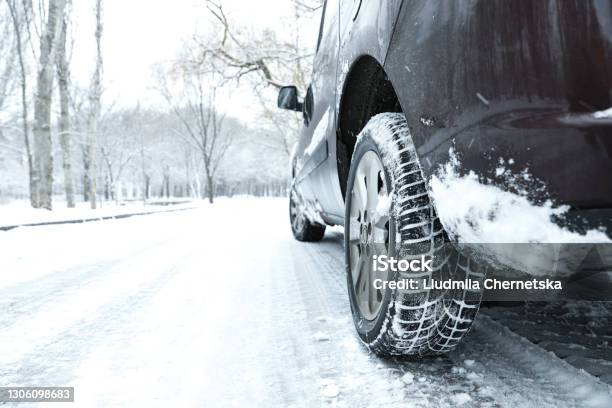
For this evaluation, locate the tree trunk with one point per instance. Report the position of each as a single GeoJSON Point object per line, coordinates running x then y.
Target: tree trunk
{"type": "Point", "coordinates": [24, 97]}
{"type": "Point", "coordinates": [210, 188]}
{"type": "Point", "coordinates": [165, 191]}
{"type": "Point", "coordinates": [145, 177]}
{"type": "Point", "coordinates": [147, 187]}
{"type": "Point", "coordinates": [91, 168]}
{"type": "Point", "coordinates": [94, 107]}
{"type": "Point", "coordinates": [63, 75]}
{"type": "Point", "coordinates": [85, 176]}
{"type": "Point", "coordinates": [43, 154]}
{"type": "Point", "coordinates": [106, 188]}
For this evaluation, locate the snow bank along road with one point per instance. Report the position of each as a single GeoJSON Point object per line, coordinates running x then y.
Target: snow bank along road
{"type": "Point", "coordinates": [219, 306]}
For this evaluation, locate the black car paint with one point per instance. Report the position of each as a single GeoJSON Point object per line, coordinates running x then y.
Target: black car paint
{"type": "Point", "coordinates": [493, 78]}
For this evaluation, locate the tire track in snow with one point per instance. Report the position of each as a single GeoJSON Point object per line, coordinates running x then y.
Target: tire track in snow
{"type": "Point", "coordinates": [27, 298]}
{"type": "Point", "coordinates": [58, 315]}
{"type": "Point", "coordinates": [545, 367]}
{"type": "Point", "coordinates": [580, 332]}
{"type": "Point", "coordinates": [55, 356]}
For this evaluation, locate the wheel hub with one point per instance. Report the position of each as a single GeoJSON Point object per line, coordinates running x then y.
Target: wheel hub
{"type": "Point", "coordinates": [365, 234]}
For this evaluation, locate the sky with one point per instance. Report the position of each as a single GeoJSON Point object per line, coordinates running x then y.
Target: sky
{"type": "Point", "coordinates": [141, 33]}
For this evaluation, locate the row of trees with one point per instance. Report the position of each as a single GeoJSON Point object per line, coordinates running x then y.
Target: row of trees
{"type": "Point", "coordinates": [35, 59]}
{"type": "Point", "coordinates": [108, 151]}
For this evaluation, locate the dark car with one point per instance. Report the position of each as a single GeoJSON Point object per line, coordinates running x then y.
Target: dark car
{"type": "Point", "coordinates": [396, 85]}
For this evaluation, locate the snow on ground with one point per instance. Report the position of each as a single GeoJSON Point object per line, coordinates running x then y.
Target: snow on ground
{"type": "Point", "coordinates": [580, 333]}
{"type": "Point", "coordinates": [20, 212]}
{"type": "Point", "coordinates": [219, 306]}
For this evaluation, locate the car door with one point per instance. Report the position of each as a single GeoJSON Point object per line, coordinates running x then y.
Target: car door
{"type": "Point", "coordinates": [320, 109]}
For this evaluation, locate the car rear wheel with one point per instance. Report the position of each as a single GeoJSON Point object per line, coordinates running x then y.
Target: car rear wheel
{"type": "Point", "coordinates": [303, 226]}
{"type": "Point", "coordinates": [389, 212]}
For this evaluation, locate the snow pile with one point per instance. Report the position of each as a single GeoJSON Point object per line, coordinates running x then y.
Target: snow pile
{"type": "Point", "coordinates": [604, 114]}
{"type": "Point", "coordinates": [474, 212]}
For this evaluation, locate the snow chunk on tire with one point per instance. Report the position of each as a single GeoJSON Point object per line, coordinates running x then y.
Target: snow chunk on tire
{"type": "Point", "coordinates": [408, 378]}
{"type": "Point", "coordinates": [461, 398]}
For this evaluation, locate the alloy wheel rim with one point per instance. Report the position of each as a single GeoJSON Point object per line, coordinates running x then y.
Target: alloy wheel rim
{"type": "Point", "coordinates": [368, 232]}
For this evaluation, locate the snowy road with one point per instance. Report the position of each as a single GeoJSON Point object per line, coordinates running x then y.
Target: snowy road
{"type": "Point", "coordinates": [219, 307]}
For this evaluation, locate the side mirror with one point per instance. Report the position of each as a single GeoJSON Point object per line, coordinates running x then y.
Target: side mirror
{"type": "Point", "coordinates": [288, 98]}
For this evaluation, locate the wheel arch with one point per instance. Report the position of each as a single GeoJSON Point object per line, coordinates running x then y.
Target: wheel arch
{"type": "Point", "coordinates": [367, 91]}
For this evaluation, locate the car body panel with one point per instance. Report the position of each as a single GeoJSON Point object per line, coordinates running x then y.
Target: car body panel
{"type": "Point", "coordinates": [511, 80]}
{"type": "Point", "coordinates": [493, 78]}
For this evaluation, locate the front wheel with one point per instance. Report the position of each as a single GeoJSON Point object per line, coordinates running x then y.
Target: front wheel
{"type": "Point", "coordinates": [389, 212]}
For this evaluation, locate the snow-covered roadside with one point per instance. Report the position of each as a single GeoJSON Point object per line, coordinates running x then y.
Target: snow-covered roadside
{"type": "Point", "coordinates": [39, 251]}
{"type": "Point", "coordinates": [20, 212]}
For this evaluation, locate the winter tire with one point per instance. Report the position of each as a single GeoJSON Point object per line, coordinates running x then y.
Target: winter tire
{"type": "Point", "coordinates": [388, 211]}
{"type": "Point", "coordinates": [303, 226]}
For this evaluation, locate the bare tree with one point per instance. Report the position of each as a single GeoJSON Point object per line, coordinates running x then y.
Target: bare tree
{"type": "Point", "coordinates": [8, 56]}
{"type": "Point", "coordinates": [144, 145]}
{"type": "Point", "coordinates": [234, 56]}
{"type": "Point", "coordinates": [43, 155]}
{"type": "Point", "coordinates": [144, 169]}
{"type": "Point", "coordinates": [137, 151]}
{"type": "Point", "coordinates": [201, 121]}
{"type": "Point", "coordinates": [95, 95]}
{"type": "Point", "coordinates": [18, 24]}
{"type": "Point", "coordinates": [114, 169]}
{"type": "Point", "coordinates": [265, 59]}
{"type": "Point", "coordinates": [78, 107]}
{"type": "Point", "coordinates": [63, 75]}
{"type": "Point", "coordinates": [116, 143]}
